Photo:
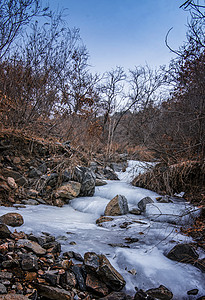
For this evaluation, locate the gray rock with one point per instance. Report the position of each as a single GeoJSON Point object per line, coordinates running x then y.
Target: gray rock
{"type": "Point", "coordinates": [31, 246]}
{"type": "Point", "coordinates": [69, 190]}
{"type": "Point", "coordinates": [91, 262]}
{"type": "Point", "coordinates": [52, 179]}
{"type": "Point", "coordinates": [3, 289]}
{"type": "Point", "coordinates": [19, 178]}
{"type": "Point", "coordinates": [160, 293]}
{"type": "Point", "coordinates": [9, 264]}
{"type": "Point", "coordinates": [79, 276]}
{"type": "Point", "coordinates": [135, 211]}
{"type": "Point", "coordinates": [53, 293]}
{"type": "Point", "coordinates": [4, 231]}
{"type": "Point", "coordinates": [34, 173]}
{"type": "Point", "coordinates": [193, 292]}
{"type": "Point", "coordinates": [87, 179]}
{"type": "Point", "coordinates": [184, 253]}
{"type": "Point", "coordinates": [109, 275]}
{"type": "Point", "coordinates": [29, 262]}
{"type": "Point", "coordinates": [100, 182]}
{"type": "Point", "coordinates": [142, 203]}
{"type": "Point", "coordinates": [52, 277]}
{"type": "Point", "coordinates": [30, 202]}
{"type": "Point", "coordinates": [110, 174]}
{"type": "Point", "coordinates": [117, 206]}
{"type": "Point", "coordinates": [5, 275]}
{"type": "Point", "coordinates": [12, 219]}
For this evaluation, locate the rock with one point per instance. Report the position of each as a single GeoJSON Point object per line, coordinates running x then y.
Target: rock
{"type": "Point", "coordinates": [193, 292]}
{"type": "Point", "coordinates": [95, 285]}
{"type": "Point", "coordinates": [117, 206]}
{"type": "Point", "coordinates": [110, 174]}
{"type": "Point", "coordinates": [9, 264]}
{"type": "Point", "coordinates": [3, 289]}
{"type": "Point", "coordinates": [34, 173]}
{"type": "Point", "coordinates": [135, 211]}
{"type": "Point", "coordinates": [53, 293]}
{"type": "Point", "coordinates": [12, 219]}
{"type": "Point", "coordinates": [91, 262]}
{"type": "Point", "coordinates": [19, 179]}
{"type": "Point", "coordinates": [31, 246]}
{"type": "Point", "coordinates": [68, 191]}
{"type": "Point", "coordinates": [142, 203]}
{"type": "Point", "coordinates": [117, 296]}
{"type": "Point", "coordinates": [160, 293]}
{"type": "Point", "coordinates": [130, 240]}
{"type": "Point", "coordinates": [11, 182]}
{"type": "Point", "coordinates": [4, 231]}
{"type": "Point", "coordinates": [29, 262]}
{"type": "Point", "coordinates": [42, 240]}
{"type": "Point", "coordinates": [30, 202]}
{"type": "Point", "coordinates": [33, 193]}
{"type": "Point", "coordinates": [184, 253]}
{"type": "Point", "coordinates": [87, 179]}
{"type": "Point", "coordinates": [52, 277]}
{"type": "Point", "coordinates": [52, 179]}
{"type": "Point", "coordinates": [5, 275]}
{"type": "Point", "coordinates": [14, 297]}
{"type": "Point", "coordinates": [141, 295]}
{"type": "Point", "coordinates": [103, 219]}
{"type": "Point", "coordinates": [16, 160]}
{"type": "Point", "coordinates": [54, 247]}
{"type": "Point", "coordinates": [100, 182]}
{"type": "Point", "coordinates": [70, 279]}
{"type": "Point", "coordinates": [79, 276]}
{"type": "Point", "coordinates": [109, 275]}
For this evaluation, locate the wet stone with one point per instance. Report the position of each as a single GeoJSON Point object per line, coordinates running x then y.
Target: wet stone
{"type": "Point", "coordinates": [4, 231]}
{"type": "Point", "coordinates": [193, 292]}
{"type": "Point", "coordinates": [3, 289]}
{"type": "Point", "coordinates": [96, 286]}
{"type": "Point", "coordinates": [29, 262]}
{"type": "Point", "coordinates": [12, 219]}
{"type": "Point", "coordinates": [79, 276]}
{"type": "Point", "coordinates": [161, 292]}
{"type": "Point", "coordinates": [31, 246]}
{"type": "Point", "coordinates": [91, 262]}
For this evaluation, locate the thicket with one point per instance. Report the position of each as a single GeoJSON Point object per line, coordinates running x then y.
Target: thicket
{"type": "Point", "coordinates": [48, 89]}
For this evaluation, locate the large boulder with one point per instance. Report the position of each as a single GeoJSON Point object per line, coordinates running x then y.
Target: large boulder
{"type": "Point", "coordinates": [100, 266]}
{"type": "Point", "coordinates": [184, 253]}
{"type": "Point", "coordinates": [142, 204]}
{"type": "Point", "coordinates": [69, 191]}
{"type": "Point", "coordinates": [110, 275]}
{"type": "Point", "coordinates": [117, 206]}
{"type": "Point", "coordinates": [87, 179]}
{"type": "Point", "coordinates": [12, 219]}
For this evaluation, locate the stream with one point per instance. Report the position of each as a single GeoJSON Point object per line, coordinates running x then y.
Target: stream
{"type": "Point", "coordinates": [142, 263]}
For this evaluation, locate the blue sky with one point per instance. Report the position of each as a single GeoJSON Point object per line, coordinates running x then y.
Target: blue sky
{"type": "Point", "coordinates": [126, 33]}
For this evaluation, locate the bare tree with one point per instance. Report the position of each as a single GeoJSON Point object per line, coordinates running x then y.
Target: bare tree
{"type": "Point", "coordinates": [14, 14]}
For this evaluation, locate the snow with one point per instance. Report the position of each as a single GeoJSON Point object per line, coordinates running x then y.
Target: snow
{"type": "Point", "coordinates": [158, 231]}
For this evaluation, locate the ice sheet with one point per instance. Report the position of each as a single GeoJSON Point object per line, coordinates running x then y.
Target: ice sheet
{"type": "Point", "coordinates": [157, 232]}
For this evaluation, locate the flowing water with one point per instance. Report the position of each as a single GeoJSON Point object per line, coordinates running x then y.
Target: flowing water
{"type": "Point", "coordinates": [143, 264]}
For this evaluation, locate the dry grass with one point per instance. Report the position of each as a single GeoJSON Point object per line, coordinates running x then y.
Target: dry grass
{"type": "Point", "coordinates": [187, 176]}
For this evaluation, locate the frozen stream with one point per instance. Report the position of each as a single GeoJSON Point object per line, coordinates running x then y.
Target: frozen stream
{"type": "Point", "coordinates": [144, 264]}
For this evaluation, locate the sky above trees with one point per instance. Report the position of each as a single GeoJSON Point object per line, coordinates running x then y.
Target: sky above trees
{"type": "Point", "coordinates": [126, 32]}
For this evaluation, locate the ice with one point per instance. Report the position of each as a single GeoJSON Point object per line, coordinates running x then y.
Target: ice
{"type": "Point", "coordinates": [133, 169]}
{"type": "Point", "coordinates": [157, 231]}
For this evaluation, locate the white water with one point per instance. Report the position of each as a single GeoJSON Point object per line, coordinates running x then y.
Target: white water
{"type": "Point", "coordinates": [156, 230]}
